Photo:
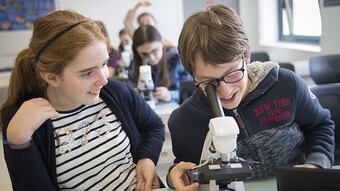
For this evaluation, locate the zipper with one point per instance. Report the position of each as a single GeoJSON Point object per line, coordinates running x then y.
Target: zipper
{"type": "Point", "coordinates": [240, 122]}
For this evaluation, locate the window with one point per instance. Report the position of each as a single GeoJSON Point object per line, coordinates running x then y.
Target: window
{"type": "Point", "coordinates": [299, 21]}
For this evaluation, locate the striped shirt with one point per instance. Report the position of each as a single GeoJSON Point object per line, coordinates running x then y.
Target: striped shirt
{"type": "Point", "coordinates": [92, 150]}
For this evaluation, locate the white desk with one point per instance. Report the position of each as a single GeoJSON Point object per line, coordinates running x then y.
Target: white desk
{"type": "Point", "coordinates": [166, 108]}
{"type": "Point", "coordinates": [166, 158]}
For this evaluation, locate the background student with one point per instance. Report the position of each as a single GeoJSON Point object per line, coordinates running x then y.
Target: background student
{"type": "Point", "coordinates": [65, 125]}
{"type": "Point", "coordinates": [125, 41]}
{"type": "Point", "coordinates": [143, 19]}
{"type": "Point", "coordinates": [166, 66]}
{"type": "Point", "coordinates": [281, 122]}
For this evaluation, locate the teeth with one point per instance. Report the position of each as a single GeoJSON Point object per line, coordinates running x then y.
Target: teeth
{"type": "Point", "coordinates": [228, 97]}
{"type": "Point", "coordinates": [95, 92]}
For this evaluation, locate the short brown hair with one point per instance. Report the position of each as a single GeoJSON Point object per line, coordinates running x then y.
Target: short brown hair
{"type": "Point", "coordinates": [216, 33]}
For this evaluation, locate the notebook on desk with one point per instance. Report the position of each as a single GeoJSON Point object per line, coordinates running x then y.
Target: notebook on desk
{"type": "Point", "coordinates": [304, 179]}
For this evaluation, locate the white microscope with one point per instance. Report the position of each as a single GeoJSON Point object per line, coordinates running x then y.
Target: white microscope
{"type": "Point", "coordinates": [145, 83]}
{"type": "Point", "coordinates": [123, 70]}
{"type": "Point", "coordinates": [219, 167]}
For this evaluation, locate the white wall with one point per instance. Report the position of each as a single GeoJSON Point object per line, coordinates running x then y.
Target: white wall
{"type": "Point", "coordinates": [169, 16]}
{"type": "Point", "coordinates": [329, 41]}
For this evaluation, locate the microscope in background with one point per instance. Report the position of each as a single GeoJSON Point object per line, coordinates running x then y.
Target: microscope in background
{"type": "Point", "coordinates": [123, 68]}
{"type": "Point", "coordinates": [219, 165]}
{"type": "Point", "coordinates": [145, 83]}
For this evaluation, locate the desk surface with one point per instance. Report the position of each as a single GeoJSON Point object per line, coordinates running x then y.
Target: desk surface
{"type": "Point", "coordinates": [165, 108]}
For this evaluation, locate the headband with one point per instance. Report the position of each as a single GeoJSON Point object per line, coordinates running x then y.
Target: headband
{"type": "Point", "coordinates": [55, 38]}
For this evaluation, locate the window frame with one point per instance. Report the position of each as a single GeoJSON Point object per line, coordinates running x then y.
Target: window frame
{"type": "Point", "coordinates": [291, 37]}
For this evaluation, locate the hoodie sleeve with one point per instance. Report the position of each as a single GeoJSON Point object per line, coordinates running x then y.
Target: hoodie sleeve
{"type": "Point", "coordinates": [316, 124]}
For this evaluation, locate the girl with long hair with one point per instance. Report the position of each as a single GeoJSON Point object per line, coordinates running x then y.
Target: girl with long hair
{"type": "Point", "coordinates": [166, 66]}
{"type": "Point", "coordinates": [65, 125]}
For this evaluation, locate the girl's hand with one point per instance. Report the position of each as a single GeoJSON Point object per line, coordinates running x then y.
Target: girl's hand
{"type": "Point", "coordinates": [142, 3]}
{"type": "Point", "coordinates": [162, 93]}
{"type": "Point", "coordinates": [146, 175]}
{"type": "Point", "coordinates": [28, 118]}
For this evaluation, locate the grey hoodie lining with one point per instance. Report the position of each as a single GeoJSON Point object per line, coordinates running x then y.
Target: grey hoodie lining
{"type": "Point", "coordinates": [257, 71]}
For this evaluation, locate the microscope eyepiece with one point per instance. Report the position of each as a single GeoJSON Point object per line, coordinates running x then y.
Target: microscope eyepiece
{"type": "Point", "coordinates": [214, 100]}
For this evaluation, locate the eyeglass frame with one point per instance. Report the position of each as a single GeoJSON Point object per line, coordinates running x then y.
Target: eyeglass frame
{"type": "Point", "coordinates": [218, 80]}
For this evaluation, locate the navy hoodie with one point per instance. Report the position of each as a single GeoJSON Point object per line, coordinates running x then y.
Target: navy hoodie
{"type": "Point", "coordinates": [284, 123]}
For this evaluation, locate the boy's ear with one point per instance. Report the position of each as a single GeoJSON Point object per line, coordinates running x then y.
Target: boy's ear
{"type": "Point", "coordinates": [52, 79]}
{"type": "Point", "coordinates": [247, 60]}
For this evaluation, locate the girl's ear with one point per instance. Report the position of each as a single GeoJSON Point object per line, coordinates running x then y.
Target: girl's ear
{"type": "Point", "coordinates": [52, 79]}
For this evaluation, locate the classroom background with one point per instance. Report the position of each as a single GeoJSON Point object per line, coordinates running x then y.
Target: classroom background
{"type": "Point", "coordinates": [259, 17]}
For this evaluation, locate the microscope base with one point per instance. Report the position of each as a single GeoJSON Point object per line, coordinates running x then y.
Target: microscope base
{"type": "Point", "coordinates": [216, 170]}
{"type": "Point", "coordinates": [216, 175]}
{"type": "Point", "coordinates": [236, 185]}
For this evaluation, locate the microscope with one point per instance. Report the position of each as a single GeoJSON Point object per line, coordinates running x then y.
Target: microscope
{"type": "Point", "coordinates": [219, 167]}
{"type": "Point", "coordinates": [145, 83]}
{"type": "Point", "coordinates": [123, 68]}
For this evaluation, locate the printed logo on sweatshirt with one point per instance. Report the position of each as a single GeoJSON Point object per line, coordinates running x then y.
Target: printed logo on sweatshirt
{"type": "Point", "coordinates": [273, 111]}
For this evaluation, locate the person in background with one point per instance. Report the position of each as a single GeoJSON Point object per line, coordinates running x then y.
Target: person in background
{"type": "Point", "coordinates": [65, 125]}
{"type": "Point", "coordinates": [281, 122]}
{"type": "Point", "coordinates": [143, 19]}
{"type": "Point", "coordinates": [125, 54]}
{"type": "Point", "coordinates": [114, 56]}
{"type": "Point", "coordinates": [166, 66]}
{"type": "Point", "coordinates": [125, 41]}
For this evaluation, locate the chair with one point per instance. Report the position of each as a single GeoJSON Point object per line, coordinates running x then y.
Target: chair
{"type": "Point", "coordinates": [259, 56]}
{"type": "Point", "coordinates": [186, 88]}
{"type": "Point", "coordinates": [288, 66]}
{"type": "Point", "coordinates": [325, 69]}
{"type": "Point", "coordinates": [329, 97]}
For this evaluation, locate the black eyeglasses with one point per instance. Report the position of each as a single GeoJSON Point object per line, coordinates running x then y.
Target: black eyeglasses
{"type": "Point", "coordinates": [230, 77]}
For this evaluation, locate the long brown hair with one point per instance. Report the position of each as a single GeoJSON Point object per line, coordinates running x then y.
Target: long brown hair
{"type": "Point", "coordinates": [56, 40]}
{"type": "Point", "coordinates": [148, 34]}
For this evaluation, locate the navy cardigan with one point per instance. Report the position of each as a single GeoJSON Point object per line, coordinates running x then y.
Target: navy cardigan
{"type": "Point", "coordinates": [34, 168]}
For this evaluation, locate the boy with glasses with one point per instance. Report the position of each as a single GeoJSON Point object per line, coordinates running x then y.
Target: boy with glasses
{"type": "Point", "coordinates": [281, 122]}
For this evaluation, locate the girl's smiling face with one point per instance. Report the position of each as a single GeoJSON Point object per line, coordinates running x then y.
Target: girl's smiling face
{"type": "Point", "coordinates": [82, 79]}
